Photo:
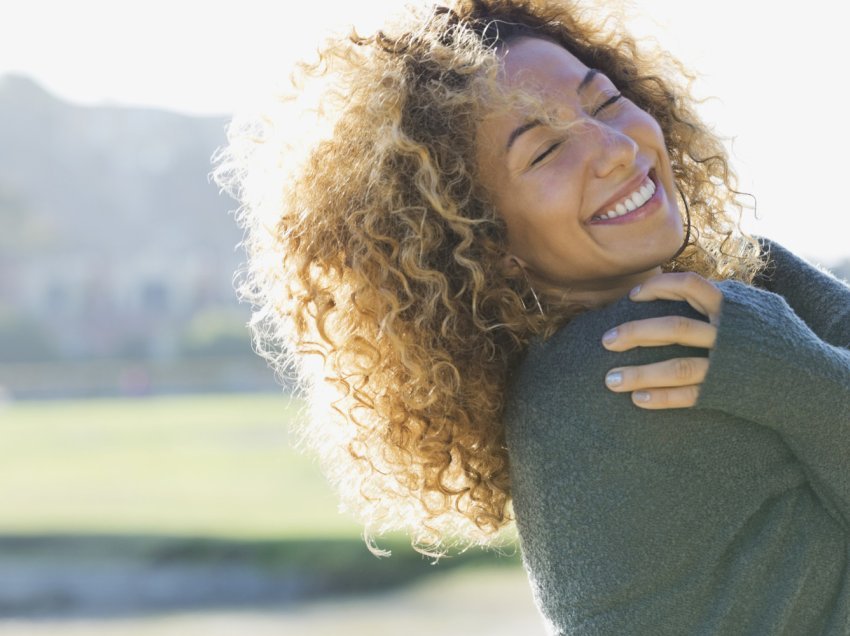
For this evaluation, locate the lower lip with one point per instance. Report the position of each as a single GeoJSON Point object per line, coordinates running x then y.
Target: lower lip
{"type": "Point", "coordinates": [651, 205]}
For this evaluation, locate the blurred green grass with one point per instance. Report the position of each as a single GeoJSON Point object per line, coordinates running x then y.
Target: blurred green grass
{"type": "Point", "coordinates": [202, 465]}
{"type": "Point", "coordinates": [146, 488]}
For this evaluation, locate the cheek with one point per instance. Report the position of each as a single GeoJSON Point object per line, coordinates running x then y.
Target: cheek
{"type": "Point", "coordinates": [528, 227]}
{"type": "Point", "coordinates": [559, 186]}
{"type": "Point", "coordinates": [540, 226]}
{"type": "Point", "coordinates": [650, 130]}
{"type": "Point", "coordinates": [646, 130]}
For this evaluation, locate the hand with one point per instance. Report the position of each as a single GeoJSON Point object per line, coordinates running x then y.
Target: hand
{"type": "Point", "coordinates": [674, 383]}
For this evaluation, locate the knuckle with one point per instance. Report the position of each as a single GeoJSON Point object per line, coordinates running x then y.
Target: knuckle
{"type": "Point", "coordinates": [694, 393]}
{"type": "Point", "coordinates": [678, 324]}
{"type": "Point", "coordinates": [683, 369]}
{"type": "Point", "coordinates": [693, 280]}
{"type": "Point", "coordinates": [690, 395]}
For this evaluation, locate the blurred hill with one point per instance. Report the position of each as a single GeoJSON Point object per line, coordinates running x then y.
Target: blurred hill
{"type": "Point", "coordinates": [113, 242]}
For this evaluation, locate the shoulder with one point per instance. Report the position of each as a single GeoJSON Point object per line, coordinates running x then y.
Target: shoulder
{"type": "Point", "coordinates": [568, 369]}
{"type": "Point", "coordinates": [581, 338]}
{"type": "Point", "coordinates": [783, 267]}
{"type": "Point", "coordinates": [818, 297]}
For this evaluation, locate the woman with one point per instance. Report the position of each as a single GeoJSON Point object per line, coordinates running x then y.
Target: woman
{"type": "Point", "coordinates": [503, 262]}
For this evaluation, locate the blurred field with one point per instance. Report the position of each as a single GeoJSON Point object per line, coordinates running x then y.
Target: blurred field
{"type": "Point", "coordinates": [195, 515]}
{"type": "Point", "coordinates": [216, 466]}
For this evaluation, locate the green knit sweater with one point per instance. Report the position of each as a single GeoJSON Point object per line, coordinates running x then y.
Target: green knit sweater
{"type": "Point", "coordinates": [731, 517]}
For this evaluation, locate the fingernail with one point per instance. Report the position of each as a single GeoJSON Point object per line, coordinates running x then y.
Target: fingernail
{"type": "Point", "coordinates": [610, 336]}
{"type": "Point", "coordinates": [635, 291]}
{"type": "Point", "coordinates": [641, 396]}
{"type": "Point", "coordinates": [615, 378]}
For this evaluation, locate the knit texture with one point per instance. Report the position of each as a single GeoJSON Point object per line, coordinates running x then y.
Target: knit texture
{"type": "Point", "coordinates": [730, 517]}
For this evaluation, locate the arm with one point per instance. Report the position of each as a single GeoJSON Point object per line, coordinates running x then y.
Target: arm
{"type": "Point", "coordinates": [623, 511]}
{"type": "Point", "coordinates": [611, 501]}
{"type": "Point", "coordinates": [820, 299]}
{"type": "Point", "coordinates": [766, 364]}
{"type": "Point", "coordinates": [770, 367]}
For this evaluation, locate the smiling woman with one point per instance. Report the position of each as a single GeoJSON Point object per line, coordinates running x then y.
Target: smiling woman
{"type": "Point", "coordinates": [601, 155]}
{"type": "Point", "coordinates": [504, 262]}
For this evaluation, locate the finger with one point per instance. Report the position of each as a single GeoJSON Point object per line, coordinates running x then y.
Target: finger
{"type": "Point", "coordinates": [656, 332]}
{"type": "Point", "coordinates": [670, 373]}
{"type": "Point", "coordinates": [698, 292]}
{"type": "Point", "coordinates": [668, 398]}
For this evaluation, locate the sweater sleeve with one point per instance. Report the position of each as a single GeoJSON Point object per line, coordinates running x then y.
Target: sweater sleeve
{"type": "Point", "coordinates": [770, 367]}
{"type": "Point", "coordinates": [820, 299]}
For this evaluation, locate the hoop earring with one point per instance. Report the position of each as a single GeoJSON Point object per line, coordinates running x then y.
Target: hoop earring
{"type": "Point", "coordinates": [688, 231]}
{"type": "Point", "coordinates": [533, 293]}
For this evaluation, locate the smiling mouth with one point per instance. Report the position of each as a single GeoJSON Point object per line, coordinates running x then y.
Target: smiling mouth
{"type": "Point", "coordinates": [631, 202]}
{"type": "Point", "coordinates": [634, 205]}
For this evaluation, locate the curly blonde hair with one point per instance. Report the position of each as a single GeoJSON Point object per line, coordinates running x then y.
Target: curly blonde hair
{"type": "Point", "coordinates": [374, 256]}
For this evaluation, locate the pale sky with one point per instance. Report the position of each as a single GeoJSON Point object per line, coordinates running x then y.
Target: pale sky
{"type": "Point", "coordinates": [779, 76]}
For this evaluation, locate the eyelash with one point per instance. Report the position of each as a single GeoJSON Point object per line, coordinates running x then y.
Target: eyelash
{"type": "Point", "coordinates": [608, 102]}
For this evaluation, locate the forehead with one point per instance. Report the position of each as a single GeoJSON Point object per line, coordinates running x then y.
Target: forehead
{"type": "Point", "coordinates": [537, 68]}
{"type": "Point", "coordinates": [540, 65]}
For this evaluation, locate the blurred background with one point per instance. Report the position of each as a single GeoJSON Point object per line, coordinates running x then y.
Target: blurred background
{"type": "Point", "coordinates": [148, 480]}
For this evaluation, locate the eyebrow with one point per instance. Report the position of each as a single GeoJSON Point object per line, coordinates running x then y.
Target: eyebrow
{"type": "Point", "coordinates": [588, 78]}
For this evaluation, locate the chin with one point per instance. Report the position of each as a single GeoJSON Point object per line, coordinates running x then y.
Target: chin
{"type": "Point", "coordinates": [649, 260]}
{"type": "Point", "coordinates": [672, 240]}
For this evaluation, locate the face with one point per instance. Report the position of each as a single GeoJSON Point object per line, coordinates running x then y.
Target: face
{"type": "Point", "coordinates": [552, 186]}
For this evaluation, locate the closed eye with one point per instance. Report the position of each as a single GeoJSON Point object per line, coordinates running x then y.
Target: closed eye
{"type": "Point", "coordinates": [608, 102]}
{"type": "Point", "coordinates": [605, 104]}
{"type": "Point", "coordinates": [546, 152]}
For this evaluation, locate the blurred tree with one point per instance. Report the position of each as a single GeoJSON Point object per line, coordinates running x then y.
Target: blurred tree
{"type": "Point", "coordinates": [23, 339]}
{"type": "Point", "coordinates": [12, 218]}
{"type": "Point", "coordinates": [217, 331]}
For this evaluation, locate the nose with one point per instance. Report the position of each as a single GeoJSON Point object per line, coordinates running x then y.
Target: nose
{"type": "Point", "coordinates": [613, 149]}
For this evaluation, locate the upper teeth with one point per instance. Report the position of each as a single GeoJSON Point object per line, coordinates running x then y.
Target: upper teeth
{"type": "Point", "coordinates": [631, 202]}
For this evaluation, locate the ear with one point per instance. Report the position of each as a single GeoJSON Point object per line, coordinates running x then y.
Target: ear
{"type": "Point", "coordinates": [512, 265]}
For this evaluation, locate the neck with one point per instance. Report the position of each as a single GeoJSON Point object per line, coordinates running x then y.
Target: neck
{"type": "Point", "coordinates": [598, 295]}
